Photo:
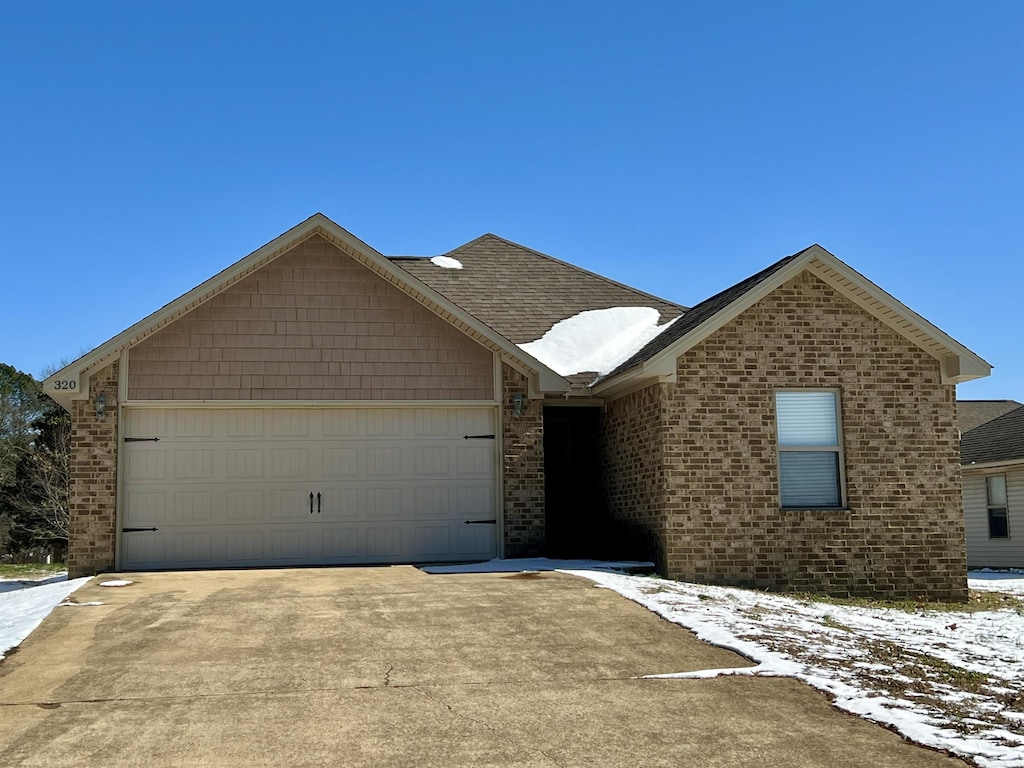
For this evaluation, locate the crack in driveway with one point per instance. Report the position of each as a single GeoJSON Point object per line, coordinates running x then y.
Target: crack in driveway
{"type": "Point", "coordinates": [498, 734]}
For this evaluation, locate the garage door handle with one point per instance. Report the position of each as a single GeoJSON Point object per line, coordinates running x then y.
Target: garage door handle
{"type": "Point", "coordinates": [134, 530]}
{"type": "Point", "coordinates": [481, 522]}
{"type": "Point", "coordinates": [311, 502]}
{"type": "Point", "coordinates": [318, 502]}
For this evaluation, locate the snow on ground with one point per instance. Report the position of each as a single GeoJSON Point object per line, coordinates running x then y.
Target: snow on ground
{"type": "Point", "coordinates": [539, 564]}
{"type": "Point", "coordinates": [23, 609]}
{"type": "Point", "coordinates": [596, 340]}
{"type": "Point", "coordinates": [946, 679]}
{"type": "Point", "coordinates": [1010, 580]}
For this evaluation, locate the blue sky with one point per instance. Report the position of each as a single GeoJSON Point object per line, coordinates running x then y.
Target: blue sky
{"type": "Point", "coordinates": [674, 146]}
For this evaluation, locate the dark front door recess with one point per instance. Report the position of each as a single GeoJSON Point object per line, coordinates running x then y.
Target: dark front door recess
{"type": "Point", "coordinates": [572, 481]}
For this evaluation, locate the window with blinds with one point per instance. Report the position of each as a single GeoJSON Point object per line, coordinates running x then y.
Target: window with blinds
{"type": "Point", "coordinates": [998, 524]}
{"type": "Point", "coordinates": [810, 455]}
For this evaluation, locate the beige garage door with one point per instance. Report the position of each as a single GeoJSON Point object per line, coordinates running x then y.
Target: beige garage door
{"type": "Point", "coordinates": [237, 487]}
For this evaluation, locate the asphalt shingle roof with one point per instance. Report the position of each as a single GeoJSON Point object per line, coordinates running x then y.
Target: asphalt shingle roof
{"type": "Point", "coordinates": [1001, 439]}
{"type": "Point", "coordinates": [700, 313]}
{"type": "Point", "coordinates": [522, 293]}
{"type": "Point", "coordinates": [974, 413]}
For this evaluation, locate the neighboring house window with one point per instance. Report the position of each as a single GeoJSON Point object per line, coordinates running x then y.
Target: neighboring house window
{"type": "Point", "coordinates": [810, 456]}
{"type": "Point", "coordinates": [995, 488]}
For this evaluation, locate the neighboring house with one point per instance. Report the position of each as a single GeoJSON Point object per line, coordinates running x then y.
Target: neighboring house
{"type": "Point", "coordinates": [992, 455]}
{"type": "Point", "coordinates": [320, 403]}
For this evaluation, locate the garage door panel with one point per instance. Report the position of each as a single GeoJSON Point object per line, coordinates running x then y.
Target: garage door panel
{"type": "Point", "coordinates": [433, 541]}
{"type": "Point", "coordinates": [244, 423]}
{"type": "Point", "coordinates": [291, 462]}
{"type": "Point", "coordinates": [243, 546]}
{"type": "Point", "coordinates": [193, 422]}
{"type": "Point", "coordinates": [243, 505]}
{"type": "Point", "coordinates": [341, 544]}
{"type": "Point", "coordinates": [339, 502]}
{"type": "Point", "coordinates": [290, 422]}
{"type": "Point", "coordinates": [383, 543]}
{"type": "Point", "coordinates": [431, 460]}
{"type": "Point", "coordinates": [145, 549]}
{"type": "Point", "coordinates": [474, 459]}
{"type": "Point", "coordinates": [193, 464]}
{"type": "Point", "coordinates": [193, 546]}
{"type": "Point", "coordinates": [475, 541]}
{"type": "Point", "coordinates": [146, 465]}
{"type": "Point", "coordinates": [231, 487]}
{"type": "Point", "coordinates": [192, 506]}
{"type": "Point", "coordinates": [244, 463]}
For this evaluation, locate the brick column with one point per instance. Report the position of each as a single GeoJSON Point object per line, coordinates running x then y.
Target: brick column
{"type": "Point", "coordinates": [94, 478]}
{"type": "Point", "coordinates": [523, 466]}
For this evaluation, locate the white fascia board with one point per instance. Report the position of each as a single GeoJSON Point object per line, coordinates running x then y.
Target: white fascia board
{"type": "Point", "coordinates": [663, 364]}
{"type": "Point", "coordinates": [1004, 464]}
{"type": "Point", "coordinates": [78, 370]}
{"type": "Point", "coordinates": [968, 365]}
{"type": "Point", "coordinates": [961, 364]}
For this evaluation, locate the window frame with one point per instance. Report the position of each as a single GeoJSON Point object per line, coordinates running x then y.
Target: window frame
{"type": "Point", "coordinates": [837, 449]}
{"type": "Point", "coordinates": [1003, 506]}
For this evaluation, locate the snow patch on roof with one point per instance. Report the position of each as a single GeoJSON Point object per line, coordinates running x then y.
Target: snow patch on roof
{"type": "Point", "coordinates": [447, 262]}
{"type": "Point", "coordinates": [596, 340]}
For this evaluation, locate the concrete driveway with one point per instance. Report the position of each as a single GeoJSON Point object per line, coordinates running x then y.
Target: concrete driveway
{"type": "Point", "coordinates": [392, 667]}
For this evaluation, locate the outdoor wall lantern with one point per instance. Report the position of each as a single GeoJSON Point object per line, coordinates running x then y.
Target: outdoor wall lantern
{"type": "Point", "coordinates": [101, 406]}
{"type": "Point", "coordinates": [517, 406]}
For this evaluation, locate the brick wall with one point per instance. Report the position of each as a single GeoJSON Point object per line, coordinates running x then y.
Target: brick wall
{"type": "Point", "coordinates": [523, 441]}
{"type": "Point", "coordinates": [633, 437]}
{"type": "Point", "coordinates": [312, 325]}
{"type": "Point", "coordinates": [903, 531]}
{"type": "Point", "coordinates": [93, 479]}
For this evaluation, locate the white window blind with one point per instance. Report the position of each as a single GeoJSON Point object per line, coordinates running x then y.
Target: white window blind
{"type": "Point", "coordinates": [809, 453]}
{"type": "Point", "coordinates": [807, 418]}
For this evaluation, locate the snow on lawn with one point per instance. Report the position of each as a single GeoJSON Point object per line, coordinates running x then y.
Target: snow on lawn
{"type": "Point", "coordinates": [596, 340]}
{"type": "Point", "coordinates": [946, 679]}
{"type": "Point", "coordinates": [22, 610]}
{"type": "Point", "coordinates": [1010, 580]}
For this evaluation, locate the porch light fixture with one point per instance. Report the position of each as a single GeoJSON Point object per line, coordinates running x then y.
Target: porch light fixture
{"type": "Point", "coordinates": [101, 406]}
{"type": "Point", "coordinates": [517, 406]}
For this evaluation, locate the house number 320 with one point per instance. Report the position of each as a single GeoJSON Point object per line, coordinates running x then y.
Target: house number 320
{"type": "Point", "coordinates": [65, 384]}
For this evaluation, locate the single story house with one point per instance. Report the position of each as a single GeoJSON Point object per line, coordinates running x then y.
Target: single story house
{"type": "Point", "coordinates": [992, 457]}
{"type": "Point", "coordinates": [318, 402]}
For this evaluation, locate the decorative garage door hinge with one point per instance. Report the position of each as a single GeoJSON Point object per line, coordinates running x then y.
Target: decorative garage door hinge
{"type": "Point", "coordinates": [478, 437]}
{"type": "Point", "coordinates": [134, 530]}
{"type": "Point", "coordinates": [481, 522]}
{"type": "Point", "coordinates": [142, 439]}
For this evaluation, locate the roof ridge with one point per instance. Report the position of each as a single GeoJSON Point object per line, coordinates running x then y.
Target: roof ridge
{"type": "Point", "coordinates": [541, 254]}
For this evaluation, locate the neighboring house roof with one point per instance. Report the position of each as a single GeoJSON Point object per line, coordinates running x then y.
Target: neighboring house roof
{"type": "Point", "coordinates": [996, 441]}
{"type": "Point", "coordinates": [522, 293]}
{"type": "Point", "coordinates": [657, 358]}
{"type": "Point", "coordinates": [974, 413]}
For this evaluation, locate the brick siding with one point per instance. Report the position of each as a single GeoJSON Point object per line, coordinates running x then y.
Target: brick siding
{"type": "Point", "coordinates": [523, 441]}
{"type": "Point", "coordinates": [314, 324]}
{"type": "Point", "coordinates": [634, 444]}
{"type": "Point", "coordinates": [93, 478]}
{"type": "Point", "coordinates": [902, 534]}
